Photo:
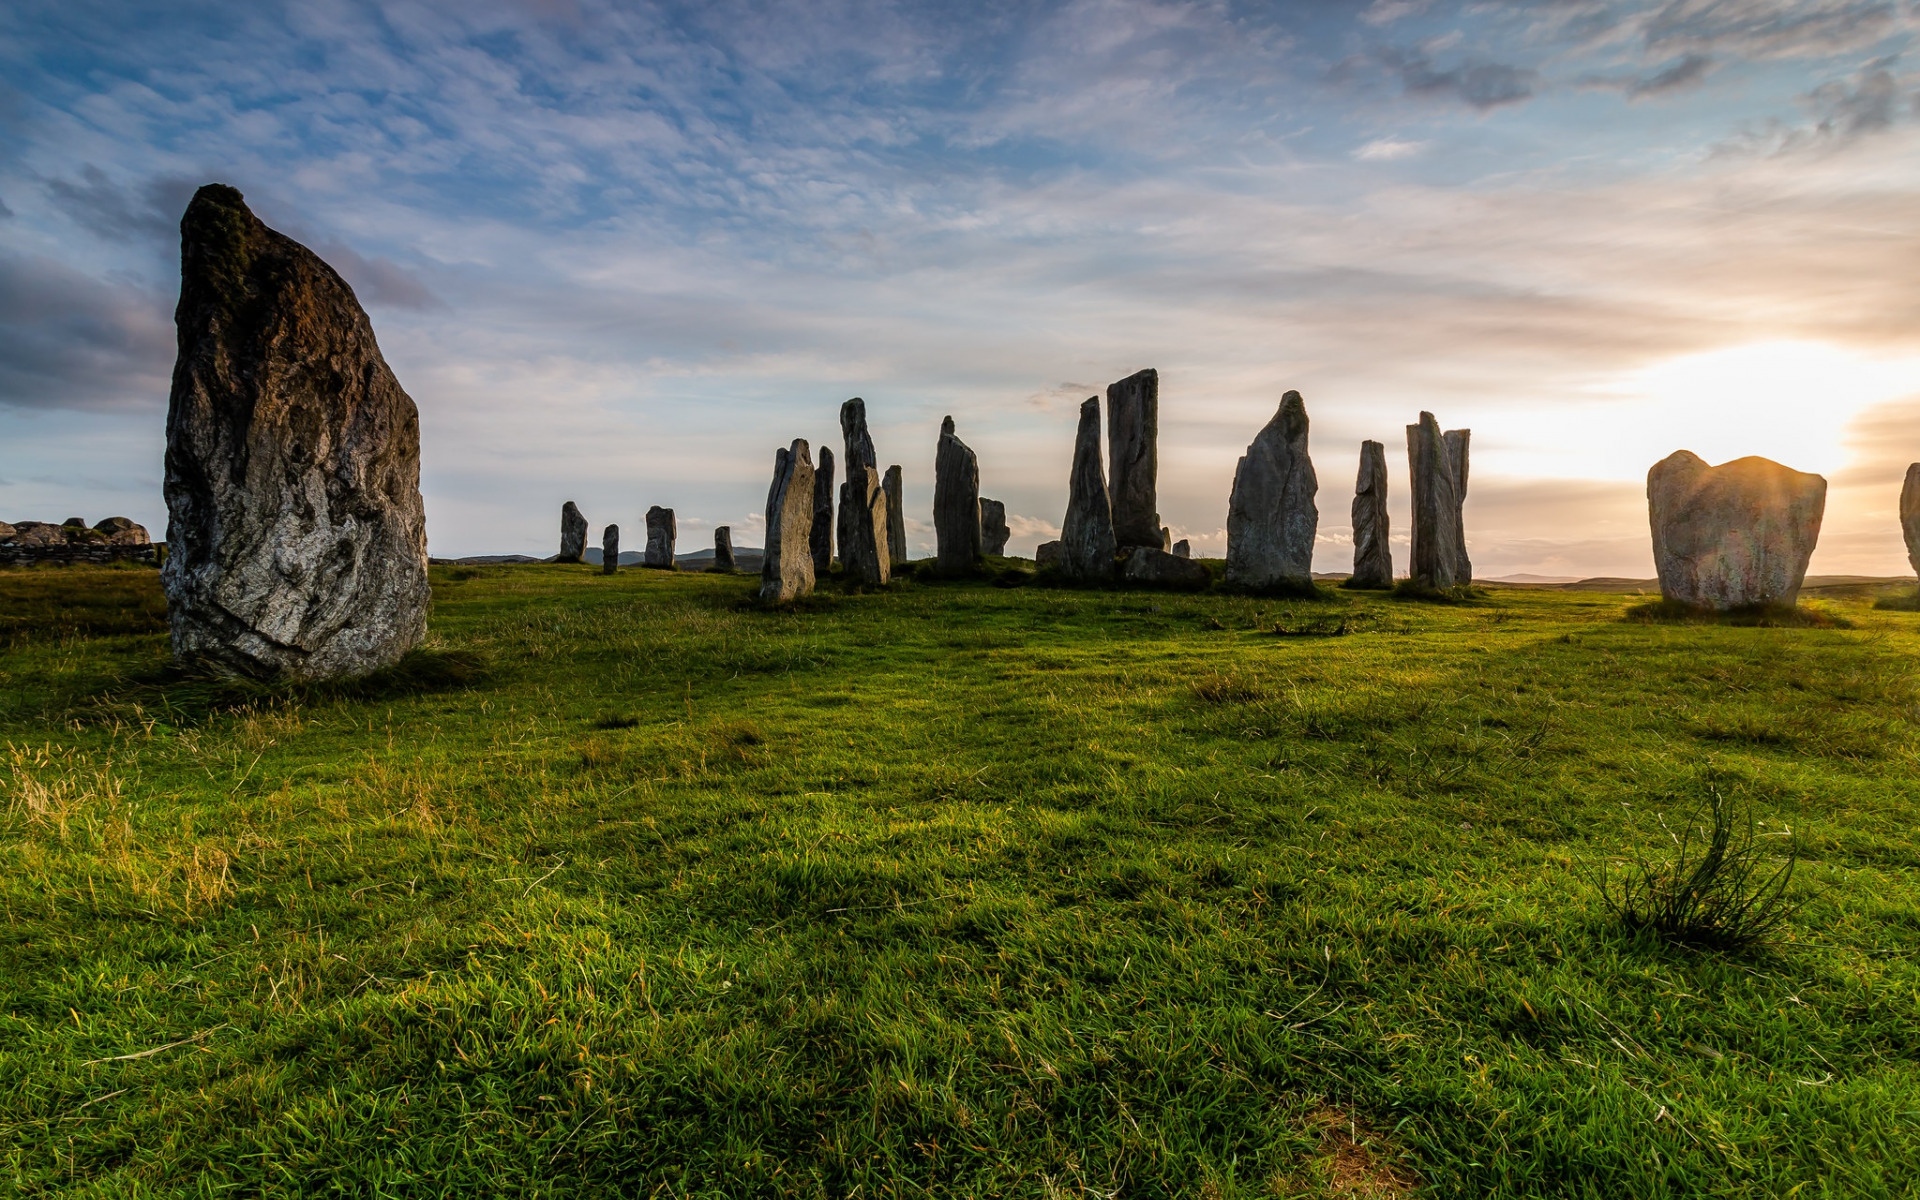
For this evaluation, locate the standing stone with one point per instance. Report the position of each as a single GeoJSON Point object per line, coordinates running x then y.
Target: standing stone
{"type": "Point", "coordinates": [956, 503]}
{"type": "Point", "coordinates": [1183, 549]}
{"type": "Point", "coordinates": [723, 549]}
{"type": "Point", "coordinates": [786, 571]}
{"type": "Point", "coordinates": [1133, 431]}
{"type": "Point", "coordinates": [1735, 535]}
{"type": "Point", "coordinates": [863, 549]}
{"type": "Point", "coordinates": [993, 526]}
{"type": "Point", "coordinates": [1457, 440]}
{"type": "Point", "coordinates": [1047, 554]}
{"type": "Point", "coordinates": [573, 534]}
{"type": "Point", "coordinates": [1154, 567]}
{"type": "Point", "coordinates": [1910, 516]}
{"type": "Point", "coordinates": [863, 502]}
{"type": "Point", "coordinates": [662, 532]}
{"type": "Point", "coordinates": [1372, 556]}
{"type": "Point", "coordinates": [297, 536]}
{"type": "Point", "coordinates": [822, 536]}
{"type": "Point", "coordinates": [1271, 518]}
{"type": "Point", "coordinates": [1086, 536]}
{"type": "Point", "coordinates": [896, 517]}
{"type": "Point", "coordinates": [1436, 561]}
{"type": "Point", "coordinates": [610, 550]}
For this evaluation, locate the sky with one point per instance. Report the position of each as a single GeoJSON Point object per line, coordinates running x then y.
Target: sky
{"type": "Point", "coordinates": [619, 253]}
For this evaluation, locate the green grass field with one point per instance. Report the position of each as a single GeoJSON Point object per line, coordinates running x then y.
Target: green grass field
{"type": "Point", "coordinates": [624, 887]}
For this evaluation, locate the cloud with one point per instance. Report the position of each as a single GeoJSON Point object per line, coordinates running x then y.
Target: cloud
{"type": "Point", "coordinates": [1762, 29]}
{"type": "Point", "coordinates": [70, 341]}
{"type": "Point", "coordinates": [378, 282]}
{"type": "Point", "coordinates": [150, 212]}
{"type": "Point", "coordinates": [1686, 72]}
{"type": "Point", "coordinates": [1482, 85]}
{"type": "Point", "coordinates": [1388, 150]}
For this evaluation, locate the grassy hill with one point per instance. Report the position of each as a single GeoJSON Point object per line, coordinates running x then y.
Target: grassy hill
{"type": "Point", "coordinates": [626, 887]}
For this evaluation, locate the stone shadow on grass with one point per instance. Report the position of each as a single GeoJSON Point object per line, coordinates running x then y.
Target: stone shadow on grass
{"type": "Point", "coordinates": [1762, 616]}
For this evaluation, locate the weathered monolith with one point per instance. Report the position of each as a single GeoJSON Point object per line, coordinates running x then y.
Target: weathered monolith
{"type": "Point", "coordinates": [822, 536]}
{"type": "Point", "coordinates": [610, 550]}
{"type": "Point", "coordinates": [863, 502]}
{"type": "Point", "coordinates": [573, 534]}
{"type": "Point", "coordinates": [1732, 536]}
{"type": "Point", "coordinates": [723, 549]}
{"type": "Point", "coordinates": [1086, 536]}
{"type": "Point", "coordinates": [1910, 515]}
{"type": "Point", "coordinates": [1133, 431]}
{"type": "Point", "coordinates": [1047, 554]}
{"type": "Point", "coordinates": [1183, 549]}
{"type": "Point", "coordinates": [1436, 561]}
{"type": "Point", "coordinates": [1154, 567]}
{"type": "Point", "coordinates": [1457, 443]}
{"type": "Point", "coordinates": [956, 504]}
{"type": "Point", "coordinates": [1372, 556]}
{"type": "Point", "coordinates": [863, 556]}
{"type": "Point", "coordinates": [662, 532]}
{"type": "Point", "coordinates": [993, 527]}
{"type": "Point", "coordinates": [786, 571]}
{"type": "Point", "coordinates": [896, 516]}
{"type": "Point", "coordinates": [1271, 517]}
{"type": "Point", "coordinates": [297, 536]}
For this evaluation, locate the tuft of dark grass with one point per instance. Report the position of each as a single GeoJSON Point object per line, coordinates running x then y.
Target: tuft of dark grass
{"type": "Point", "coordinates": [616, 721]}
{"type": "Point", "coordinates": [49, 603]}
{"type": "Point", "coordinates": [1221, 688]}
{"type": "Point", "coordinates": [1899, 602]}
{"type": "Point", "coordinates": [1761, 616]}
{"type": "Point", "coordinates": [188, 696]}
{"type": "Point", "coordinates": [1720, 890]}
{"type": "Point", "coordinates": [1407, 589]}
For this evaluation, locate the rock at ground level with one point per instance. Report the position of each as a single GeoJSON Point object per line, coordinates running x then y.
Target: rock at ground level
{"type": "Point", "coordinates": [662, 532]}
{"type": "Point", "coordinates": [1047, 554]}
{"type": "Point", "coordinates": [863, 527]}
{"type": "Point", "coordinates": [1271, 517]}
{"type": "Point", "coordinates": [610, 550]}
{"type": "Point", "coordinates": [1183, 549]}
{"type": "Point", "coordinates": [1732, 536]}
{"type": "Point", "coordinates": [821, 539]}
{"type": "Point", "coordinates": [1133, 432]}
{"type": "Point", "coordinates": [1910, 515]}
{"type": "Point", "coordinates": [786, 565]}
{"type": "Point", "coordinates": [1153, 567]}
{"type": "Point", "coordinates": [573, 534]}
{"type": "Point", "coordinates": [993, 527]}
{"type": "Point", "coordinates": [1372, 555]}
{"type": "Point", "coordinates": [956, 504]}
{"type": "Point", "coordinates": [1086, 536]}
{"type": "Point", "coordinates": [1436, 561]}
{"type": "Point", "coordinates": [896, 517]}
{"type": "Point", "coordinates": [723, 549]}
{"type": "Point", "coordinates": [297, 540]}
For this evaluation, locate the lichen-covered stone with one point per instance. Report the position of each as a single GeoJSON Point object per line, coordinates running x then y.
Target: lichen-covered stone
{"type": "Point", "coordinates": [1133, 432]}
{"type": "Point", "coordinates": [1150, 566]}
{"type": "Point", "coordinates": [297, 534]}
{"type": "Point", "coordinates": [1086, 536]}
{"type": "Point", "coordinates": [863, 525]}
{"type": "Point", "coordinates": [610, 550]}
{"type": "Point", "coordinates": [786, 566]}
{"type": "Point", "coordinates": [1047, 554]}
{"type": "Point", "coordinates": [1910, 515]}
{"type": "Point", "coordinates": [1457, 444]}
{"type": "Point", "coordinates": [723, 549]}
{"type": "Point", "coordinates": [1183, 549]}
{"type": "Point", "coordinates": [662, 532]}
{"type": "Point", "coordinates": [956, 504]}
{"type": "Point", "coordinates": [573, 534]}
{"type": "Point", "coordinates": [1437, 560]}
{"type": "Point", "coordinates": [1271, 517]}
{"type": "Point", "coordinates": [896, 516]}
{"type": "Point", "coordinates": [1732, 536]}
{"type": "Point", "coordinates": [993, 526]}
{"type": "Point", "coordinates": [1372, 555]}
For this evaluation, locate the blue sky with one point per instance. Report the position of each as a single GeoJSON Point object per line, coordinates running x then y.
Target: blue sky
{"type": "Point", "coordinates": [618, 253]}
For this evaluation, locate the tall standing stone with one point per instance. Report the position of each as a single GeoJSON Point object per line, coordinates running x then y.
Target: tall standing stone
{"type": "Point", "coordinates": [1372, 555]}
{"type": "Point", "coordinates": [1910, 515]}
{"type": "Point", "coordinates": [297, 542]}
{"type": "Point", "coordinates": [1271, 517]}
{"type": "Point", "coordinates": [956, 503]}
{"type": "Point", "coordinates": [896, 516]}
{"type": "Point", "coordinates": [1732, 536]}
{"type": "Point", "coordinates": [662, 532]}
{"type": "Point", "coordinates": [1436, 560]}
{"type": "Point", "coordinates": [1457, 441]}
{"type": "Point", "coordinates": [573, 534]}
{"type": "Point", "coordinates": [786, 571]}
{"type": "Point", "coordinates": [822, 537]}
{"type": "Point", "coordinates": [863, 502]}
{"type": "Point", "coordinates": [610, 550]}
{"type": "Point", "coordinates": [1133, 433]}
{"type": "Point", "coordinates": [723, 548]}
{"type": "Point", "coordinates": [993, 526]}
{"type": "Point", "coordinates": [1086, 537]}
